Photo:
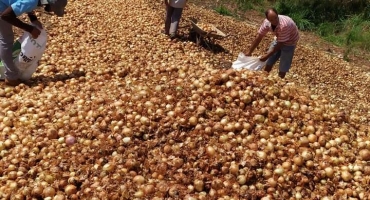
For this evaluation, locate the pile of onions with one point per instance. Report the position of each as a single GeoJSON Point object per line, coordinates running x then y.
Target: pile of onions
{"type": "Point", "coordinates": [124, 113]}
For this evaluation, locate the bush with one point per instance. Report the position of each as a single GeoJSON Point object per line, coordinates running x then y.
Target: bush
{"type": "Point", "coordinates": [249, 4]}
{"type": "Point", "coordinates": [222, 10]}
{"type": "Point", "coordinates": [319, 11]}
{"type": "Point", "coordinates": [301, 21]}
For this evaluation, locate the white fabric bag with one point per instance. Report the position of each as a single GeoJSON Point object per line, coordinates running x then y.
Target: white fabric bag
{"type": "Point", "coordinates": [247, 62]}
{"type": "Point", "coordinates": [31, 53]}
{"type": "Point", "coordinates": [26, 54]}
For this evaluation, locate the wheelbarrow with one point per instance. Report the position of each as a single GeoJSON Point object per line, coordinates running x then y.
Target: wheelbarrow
{"type": "Point", "coordinates": [209, 34]}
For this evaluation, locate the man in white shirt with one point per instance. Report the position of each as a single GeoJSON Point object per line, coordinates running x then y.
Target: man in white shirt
{"type": "Point", "coordinates": [174, 10]}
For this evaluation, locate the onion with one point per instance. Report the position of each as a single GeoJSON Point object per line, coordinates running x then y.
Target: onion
{"type": "Point", "coordinates": [242, 179]}
{"type": "Point", "coordinates": [346, 176]}
{"type": "Point", "coordinates": [365, 154]}
{"type": "Point", "coordinates": [193, 121]}
{"type": "Point", "coordinates": [48, 192]}
{"type": "Point", "coordinates": [230, 84]}
{"type": "Point", "coordinates": [198, 185]}
{"type": "Point", "coordinates": [70, 189]}
{"type": "Point", "coordinates": [312, 138]}
{"type": "Point", "coordinates": [211, 151]}
{"type": "Point", "coordinates": [37, 191]}
{"type": "Point", "coordinates": [259, 118]}
{"type": "Point", "coordinates": [52, 134]}
{"type": "Point", "coordinates": [264, 134]}
{"type": "Point", "coordinates": [234, 169]}
{"type": "Point", "coordinates": [126, 140]}
{"type": "Point", "coordinates": [262, 155]}
{"type": "Point", "coordinates": [139, 194]}
{"type": "Point", "coordinates": [220, 112]}
{"type": "Point", "coordinates": [271, 182]}
{"type": "Point", "coordinates": [70, 140]}
{"type": "Point", "coordinates": [279, 171]}
{"type": "Point", "coordinates": [149, 189]}
{"type": "Point", "coordinates": [298, 160]}
{"type": "Point", "coordinates": [310, 130]}
{"type": "Point", "coordinates": [59, 197]}
{"type": "Point", "coordinates": [108, 167]}
{"type": "Point", "coordinates": [284, 126]}
{"type": "Point", "coordinates": [329, 172]}
{"type": "Point", "coordinates": [247, 99]}
{"type": "Point", "coordinates": [127, 131]}
{"type": "Point", "coordinates": [139, 179]}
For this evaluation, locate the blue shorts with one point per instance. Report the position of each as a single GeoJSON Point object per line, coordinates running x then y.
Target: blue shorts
{"type": "Point", "coordinates": [285, 54]}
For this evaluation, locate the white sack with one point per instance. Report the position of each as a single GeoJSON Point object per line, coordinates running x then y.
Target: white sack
{"type": "Point", "coordinates": [31, 53]}
{"type": "Point", "coordinates": [26, 54]}
{"type": "Point", "coordinates": [247, 62]}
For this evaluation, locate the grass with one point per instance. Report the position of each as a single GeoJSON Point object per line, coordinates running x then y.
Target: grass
{"type": "Point", "coordinates": [301, 21]}
{"type": "Point", "coordinates": [351, 33]}
{"type": "Point", "coordinates": [222, 10]}
{"type": "Point", "coordinates": [358, 32]}
{"type": "Point", "coordinates": [250, 4]}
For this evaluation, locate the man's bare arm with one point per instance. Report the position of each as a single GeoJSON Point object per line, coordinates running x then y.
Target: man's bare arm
{"type": "Point", "coordinates": [255, 44]}
{"type": "Point", "coordinates": [9, 16]}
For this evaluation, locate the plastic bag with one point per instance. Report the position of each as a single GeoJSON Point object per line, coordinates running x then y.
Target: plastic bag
{"type": "Point", "coordinates": [26, 54]}
{"type": "Point", "coordinates": [247, 62]}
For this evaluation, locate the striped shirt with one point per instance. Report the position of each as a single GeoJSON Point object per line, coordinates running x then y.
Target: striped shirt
{"type": "Point", "coordinates": [286, 31]}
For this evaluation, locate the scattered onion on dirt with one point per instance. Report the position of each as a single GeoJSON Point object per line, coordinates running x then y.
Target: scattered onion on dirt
{"type": "Point", "coordinates": [124, 113]}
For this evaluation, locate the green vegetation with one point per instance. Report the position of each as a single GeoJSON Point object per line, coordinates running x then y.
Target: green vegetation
{"type": "Point", "coordinates": [353, 33]}
{"type": "Point", "coordinates": [250, 4]}
{"type": "Point", "coordinates": [319, 11]}
{"type": "Point", "coordinates": [222, 10]}
{"type": "Point", "coordinates": [342, 22]}
{"type": "Point", "coordinates": [223, 6]}
{"type": "Point", "coordinates": [345, 23]}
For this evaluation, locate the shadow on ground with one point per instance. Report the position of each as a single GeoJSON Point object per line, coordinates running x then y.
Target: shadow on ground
{"type": "Point", "coordinates": [58, 77]}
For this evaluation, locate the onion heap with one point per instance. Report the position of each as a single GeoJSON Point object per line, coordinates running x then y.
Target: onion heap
{"type": "Point", "coordinates": [116, 110]}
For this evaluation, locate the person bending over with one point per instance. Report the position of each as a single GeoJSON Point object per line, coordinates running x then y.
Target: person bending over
{"type": "Point", "coordinates": [284, 44]}
{"type": "Point", "coordinates": [9, 11]}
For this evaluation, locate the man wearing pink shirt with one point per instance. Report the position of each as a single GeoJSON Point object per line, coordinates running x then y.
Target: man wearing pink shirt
{"type": "Point", "coordinates": [283, 47]}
